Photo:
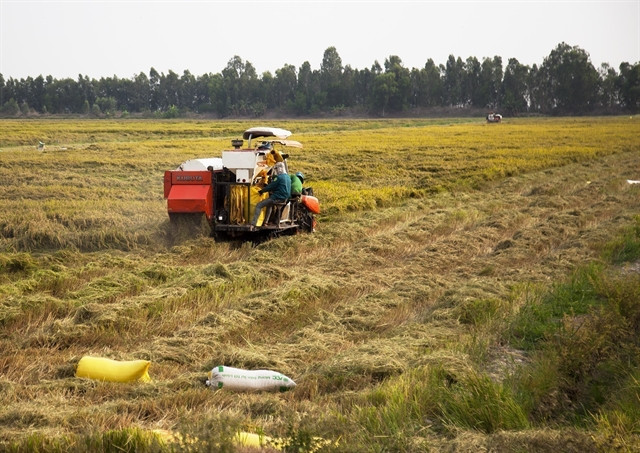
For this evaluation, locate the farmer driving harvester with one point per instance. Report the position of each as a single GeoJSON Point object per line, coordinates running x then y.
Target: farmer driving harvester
{"type": "Point", "coordinates": [279, 190]}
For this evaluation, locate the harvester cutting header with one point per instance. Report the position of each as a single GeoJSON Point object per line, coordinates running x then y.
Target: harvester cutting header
{"type": "Point", "coordinates": [228, 189]}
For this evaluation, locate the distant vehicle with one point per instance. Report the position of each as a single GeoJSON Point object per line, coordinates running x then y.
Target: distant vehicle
{"type": "Point", "coordinates": [226, 190]}
{"type": "Point", "coordinates": [494, 118]}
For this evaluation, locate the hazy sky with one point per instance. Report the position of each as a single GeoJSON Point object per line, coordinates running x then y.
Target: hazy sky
{"type": "Point", "coordinates": [102, 38]}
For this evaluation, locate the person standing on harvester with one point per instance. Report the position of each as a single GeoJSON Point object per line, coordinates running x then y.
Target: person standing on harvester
{"type": "Point", "coordinates": [279, 190]}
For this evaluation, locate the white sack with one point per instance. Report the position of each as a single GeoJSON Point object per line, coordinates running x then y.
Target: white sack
{"type": "Point", "coordinates": [248, 380]}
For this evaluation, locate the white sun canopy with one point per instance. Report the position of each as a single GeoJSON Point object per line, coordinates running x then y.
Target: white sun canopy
{"type": "Point", "coordinates": [256, 132]}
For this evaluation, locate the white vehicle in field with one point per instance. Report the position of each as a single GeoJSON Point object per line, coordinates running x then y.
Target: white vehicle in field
{"type": "Point", "coordinates": [494, 118]}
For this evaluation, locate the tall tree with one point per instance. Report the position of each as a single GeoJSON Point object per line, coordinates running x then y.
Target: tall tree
{"type": "Point", "coordinates": [87, 90]}
{"type": "Point", "coordinates": [304, 89]}
{"type": "Point", "coordinates": [472, 93]}
{"type": "Point", "coordinates": [331, 77]}
{"type": "Point", "coordinates": [268, 96]}
{"type": "Point", "coordinates": [219, 99]}
{"type": "Point", "coordinates": [570, 80]}
{"type": "Point", "coordinates": [609, 93]}
{"type": "Point", "coordinates": [285, 85]}
{"type": "Point", "coordinates": [2, 90]}
{"type": "Point", "coordinates": [241, 85]}
{"type": "Point", "coordinates": [384, 89]}
{"type": "Point", "coordinates": [537, 94]}
{"type": "Point", "coordinates": [433, 84]}
{"type": "Point", "coordinates": [250, 83]}
{"type": "Point", "coordinates": [453, 81]}
{"type": "Point", "coordinates": [170, 89]}
{"type": "Point", "coordinates": [141, 95]}
{"type": "Point", "coordinates": [514, 88]}
{"type": "Point", "coordinates": [417, 88]}
{"type": "Point", "coordinates": [490, 82]}
{"type": "Point", "coordinates": [629, 83]}
{"type": "Point", "coordinates": [36, 91]}
{"type": "Point", "coordinates": [154, 90]}
{"type": "Point", "coordinates": [201, 93]}
{"type": "Point", "coordinates": [348, 84]}
{"type": "Point", "coordinates": [362, 86]}
{"type": "Point", "coordinates": [401, 94]}
{"type": "Point", "coordinates": [187, 91]}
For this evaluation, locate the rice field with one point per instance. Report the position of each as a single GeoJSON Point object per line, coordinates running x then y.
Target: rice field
{"type": "Point", "coordinates": [400, 319]}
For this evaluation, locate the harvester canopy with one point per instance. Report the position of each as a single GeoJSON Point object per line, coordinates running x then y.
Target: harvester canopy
{"type": "Point", "coordinates": [289, 143]}
{"type": "Point", "coordinates": [280, 134]}
{"type": "Point", "coordinates": [255, 132]}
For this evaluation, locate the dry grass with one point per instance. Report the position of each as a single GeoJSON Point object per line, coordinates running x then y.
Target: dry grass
{"type": "Point", "coordinates": [432, 234]}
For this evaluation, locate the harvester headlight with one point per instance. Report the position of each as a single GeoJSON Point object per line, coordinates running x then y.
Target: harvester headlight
{"type": "Point", "coordinates": [221, 215]}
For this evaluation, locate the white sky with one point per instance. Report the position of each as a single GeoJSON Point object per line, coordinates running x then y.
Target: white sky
{"type": "Point", "coordinates": [102, 38]}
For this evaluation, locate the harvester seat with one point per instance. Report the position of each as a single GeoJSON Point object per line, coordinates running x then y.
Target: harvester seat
{"type": "Point", "coordinates": [275, 215]}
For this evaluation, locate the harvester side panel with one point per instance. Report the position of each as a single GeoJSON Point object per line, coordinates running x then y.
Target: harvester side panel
{"type": "Point", "coordinates": [189, 192]}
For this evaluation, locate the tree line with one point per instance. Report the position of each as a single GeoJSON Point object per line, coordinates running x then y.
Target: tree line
{"type": "Point", "coordinates": [566, 83]}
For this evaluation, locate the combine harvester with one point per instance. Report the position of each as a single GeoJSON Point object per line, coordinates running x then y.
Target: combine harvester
{"type": "Point", "coordinates": [226, 190]}
{"type": "Point", "coordinates": [494, 118]}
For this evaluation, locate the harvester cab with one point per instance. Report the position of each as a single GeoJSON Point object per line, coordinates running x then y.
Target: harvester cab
{"type": "Point", "coordinates": [225, 190]}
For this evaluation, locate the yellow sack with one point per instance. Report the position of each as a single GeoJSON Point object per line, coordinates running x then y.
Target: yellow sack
{"type": "Point", "coordinates": [112, 370]}
{"type": "Point", "coordinates": [244, 439]}
{"type": "Point", "coordinates": [255, 199]}
{"type": "Point", "coordinates": [241, 212]}
{"type": "Point", "coordinates": [273, 157]}
{"type": "Point", "coordinates": [236, 206]}
{"type": "Point", "coordinates": [240, 439]}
